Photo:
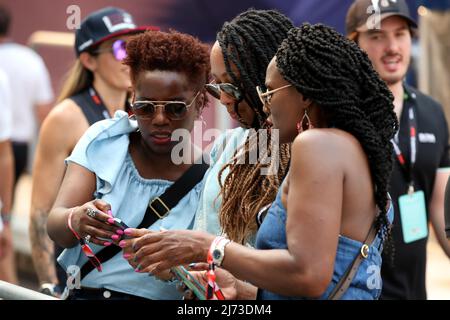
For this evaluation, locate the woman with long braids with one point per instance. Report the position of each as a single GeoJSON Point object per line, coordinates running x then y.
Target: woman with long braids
{"type": "Point", "coordinates": [240, 56]}
{"type": "Point", "coordinates": [235, 192]}
{"type": "Point", "coordinates": [333, 209]}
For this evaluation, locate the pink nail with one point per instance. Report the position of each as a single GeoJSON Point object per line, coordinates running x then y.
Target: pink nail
{"type": "Point", "coordinates": [115, 237]}
{"type": "Point", "coordinates": [111, 220]}
{"type": "Point", "coordinates": [128, 232]}
{"type": "Point", "coordinates": [109, 212]}
{"type": "Point", "coordinates": [107, 244]}
{"type": "Point", "coordinates": [122, 244]}
{"type": "Point", "coordinates": [127, 255]}
{"type": "Point", "coordinates": [119, 232]}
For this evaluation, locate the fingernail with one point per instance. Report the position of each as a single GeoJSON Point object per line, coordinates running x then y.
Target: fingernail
{"type": "Point", "coordinates": [128, 232]}
{"type": "Point", "coordinates": [192, 265]}
{"type": "Point", "coordinates": [107, 244]}
{"type": "Point", "coordinates": [115, 237]}
{"type": "Point", "coordinates": [120, 232]}
{"type": "Point", "coordinates": [127, 256]}
{"type": "Point", "coordinates": [109, 212]}
{"type": "Point", "coordinates": [122, 244]}
{"type": "Point", "coordinates": [111, 220]}
{"type": "Point", "coordinates": [138, 269]}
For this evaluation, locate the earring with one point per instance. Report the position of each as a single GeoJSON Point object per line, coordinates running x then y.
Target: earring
{"type": "Point", "coordinates": [202, 120]}
{"type": "Point", "coordinates": [309, 125]}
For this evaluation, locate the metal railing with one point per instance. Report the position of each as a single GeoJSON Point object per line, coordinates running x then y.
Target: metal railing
{"type": "Point", "coordinates": [10, 291]}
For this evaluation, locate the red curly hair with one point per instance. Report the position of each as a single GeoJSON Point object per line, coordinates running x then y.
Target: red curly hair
{"type": "Point", "coordinates": [168, 51]}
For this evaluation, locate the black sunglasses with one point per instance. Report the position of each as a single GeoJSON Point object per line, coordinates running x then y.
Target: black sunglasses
{"type": "Point", "coordinates": [215, 90]}
{"type": "Point", "coordinates": [174, 110]}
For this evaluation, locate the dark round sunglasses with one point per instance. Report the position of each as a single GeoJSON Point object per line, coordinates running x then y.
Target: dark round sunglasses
{"type": "Point", "coordinates": [231, 90]}
{"type": "Point", "coordinates": [174, 110]}
{"type": "Point", "coordinates": [118, 49]}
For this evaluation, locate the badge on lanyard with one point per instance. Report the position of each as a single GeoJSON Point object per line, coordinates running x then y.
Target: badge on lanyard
{"type": "Point", "coordinates": [413, 215]}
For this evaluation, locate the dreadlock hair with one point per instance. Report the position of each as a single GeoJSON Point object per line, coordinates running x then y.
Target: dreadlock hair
{"type": "Point", "coordinates": [338, 76]}
{"type": "Point", "coordinates": [250, 41]}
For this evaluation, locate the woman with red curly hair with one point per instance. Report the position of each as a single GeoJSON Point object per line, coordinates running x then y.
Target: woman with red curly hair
{"type": "Point", "coordinates": [121, 161]}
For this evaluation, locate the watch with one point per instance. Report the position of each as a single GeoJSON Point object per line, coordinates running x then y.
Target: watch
{"type": "Point", "coordinates": [218, 250]}
{"type": "Point", "coordinates": [48, 289]}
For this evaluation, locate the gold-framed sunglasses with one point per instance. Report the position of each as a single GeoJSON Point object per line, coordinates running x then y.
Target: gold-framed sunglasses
{"type": "Point", "coordinates": [266, 96]}
{"type": "Point", "coordinates": [174, 110]}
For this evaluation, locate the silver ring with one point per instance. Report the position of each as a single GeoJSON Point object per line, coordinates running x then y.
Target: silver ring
{"type": "Point", "coordinates": [91, 212]}
{"type": "Point", "coordinates": [87, 238]}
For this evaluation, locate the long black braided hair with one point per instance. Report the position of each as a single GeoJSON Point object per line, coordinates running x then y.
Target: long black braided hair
{"type": "Point", "coordinates": [249, 42]}
{"type": "Point", "coordinates": [337, 75]}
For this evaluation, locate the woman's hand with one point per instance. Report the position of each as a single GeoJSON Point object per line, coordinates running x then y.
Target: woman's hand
{"type": "Point", "coordinates": [127, 245]}
{"type": "Point", "coordinates": [225, 280]}
{"type": "Point", "coordinates": [155, 252]}
{"type": "Point", "coordinates": [95, 225]}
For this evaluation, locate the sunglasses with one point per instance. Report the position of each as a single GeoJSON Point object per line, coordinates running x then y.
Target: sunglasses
{"type": "Point", "coordinates": [118, 49]}
{"type": "Point", "coordinates": [174, 110]}
{"type": "Point", "coordinates": [215, 89]}
{"type": "Point", "coordinates": [266, 96]}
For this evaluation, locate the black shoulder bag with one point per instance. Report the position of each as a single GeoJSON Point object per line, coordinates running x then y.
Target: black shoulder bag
{"type": "Point", "coordinates": [157, 208]}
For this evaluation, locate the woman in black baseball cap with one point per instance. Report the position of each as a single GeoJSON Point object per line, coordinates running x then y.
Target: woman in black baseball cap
{"type": "Point", "coordinates": [96, 87]}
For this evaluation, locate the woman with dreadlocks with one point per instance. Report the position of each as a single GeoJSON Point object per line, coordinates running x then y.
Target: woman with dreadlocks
{"type": "Point", "coordinates": [332, 211]}
{"type": "Point", "coordinates": [235, 192]}
{"type": "Point", "coordinates": [239, 59]}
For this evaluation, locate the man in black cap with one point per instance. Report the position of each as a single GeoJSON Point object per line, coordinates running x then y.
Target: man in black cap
{"type": "Point", "coordinates": [384, 29]}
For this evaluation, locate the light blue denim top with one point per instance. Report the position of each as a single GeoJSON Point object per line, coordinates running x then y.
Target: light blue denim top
{"type": "Point", "coordinates": [366, 284]}
{"type": "Point", "coordinates": [103, 149]}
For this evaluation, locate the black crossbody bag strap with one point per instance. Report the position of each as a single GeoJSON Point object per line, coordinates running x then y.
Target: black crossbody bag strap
{"type": "Point", "coordinates": [158, 208]}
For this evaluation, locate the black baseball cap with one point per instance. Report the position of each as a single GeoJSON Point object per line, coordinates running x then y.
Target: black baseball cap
{"type": "Point", "coordinates": [362, 14]}
{"type": "Point", "coordinates": [105, 24]}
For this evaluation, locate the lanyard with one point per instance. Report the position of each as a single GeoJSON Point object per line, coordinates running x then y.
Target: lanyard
{"type": "Point", "coordinates": [98, 101]}
{"type": "Point", "coordinates": [408, 171]}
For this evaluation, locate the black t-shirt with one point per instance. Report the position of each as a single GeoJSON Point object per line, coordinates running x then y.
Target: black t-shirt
{"type": "Point", "coordinates": [405, 278]}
